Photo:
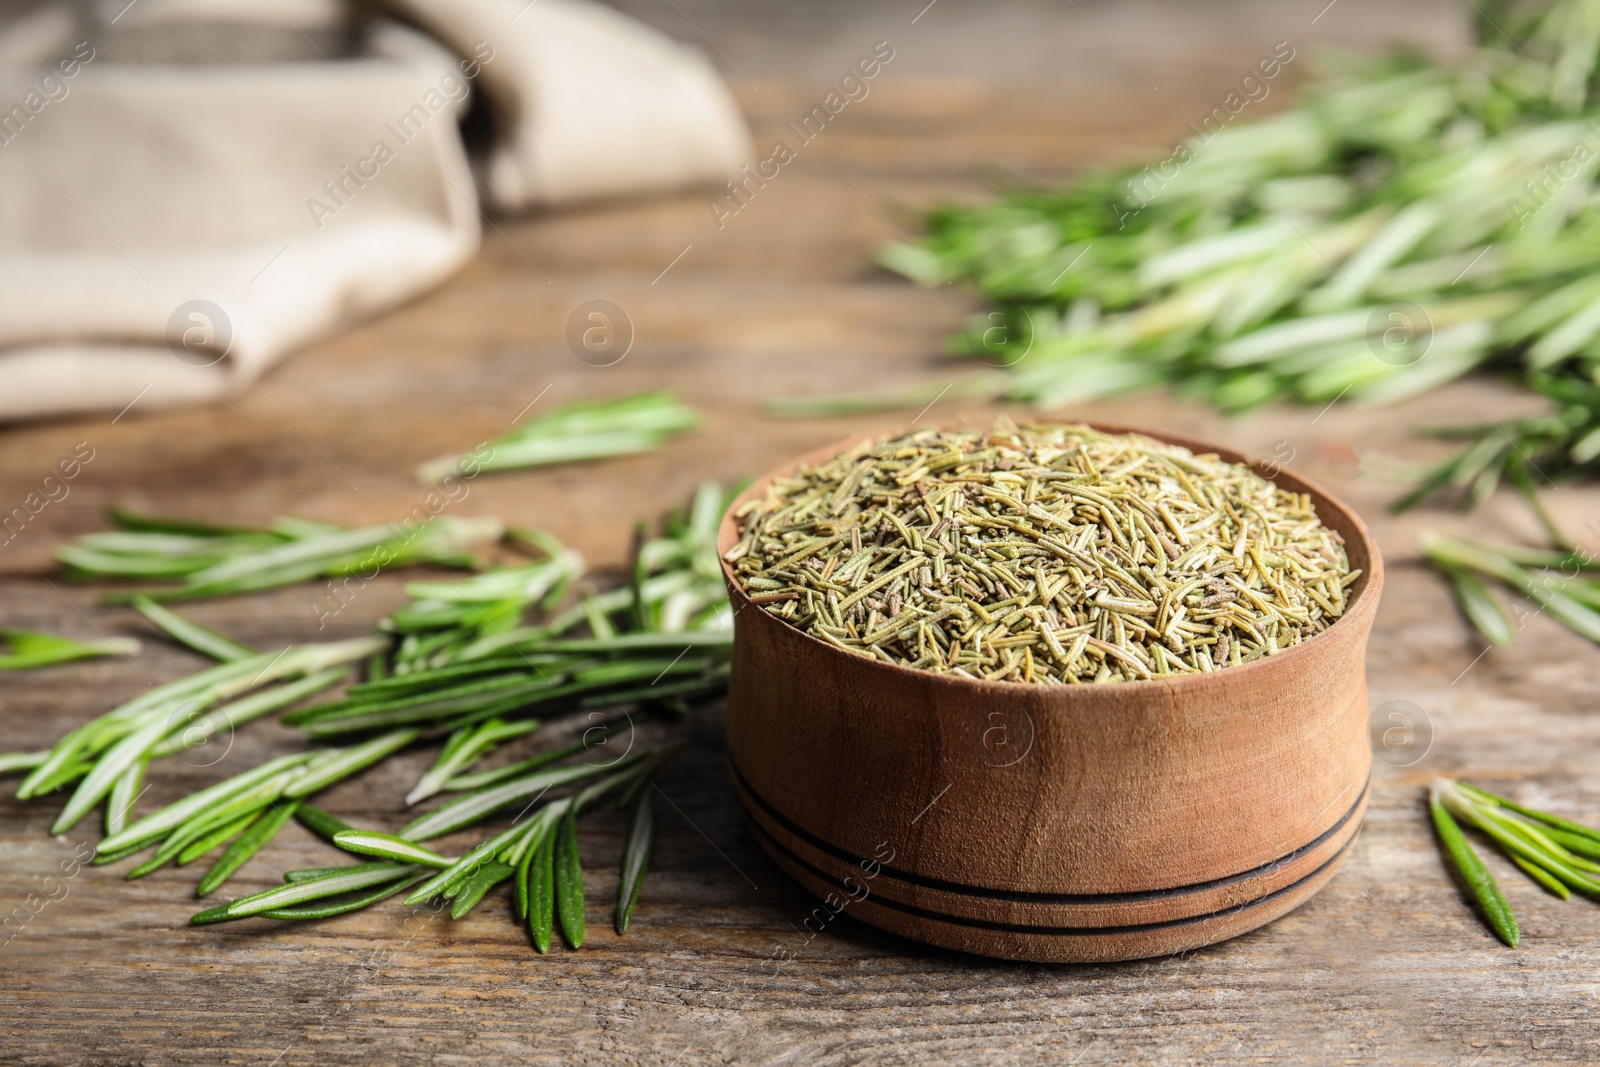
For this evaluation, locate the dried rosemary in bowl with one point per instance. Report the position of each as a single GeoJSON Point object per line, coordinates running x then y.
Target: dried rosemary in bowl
{"type": "Point", "coordinates": [1047, 554]}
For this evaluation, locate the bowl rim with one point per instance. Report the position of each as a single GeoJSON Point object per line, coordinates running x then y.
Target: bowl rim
{"type": "Point", "coordinates": [1360, 610]}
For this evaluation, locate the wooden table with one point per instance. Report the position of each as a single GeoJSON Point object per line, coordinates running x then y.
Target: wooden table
{"type": "Point", "coordinates": [1386, 966]}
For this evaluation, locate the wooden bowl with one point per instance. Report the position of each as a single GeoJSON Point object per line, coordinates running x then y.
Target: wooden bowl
{"type": "Point", "coordinates": [1055, 823]}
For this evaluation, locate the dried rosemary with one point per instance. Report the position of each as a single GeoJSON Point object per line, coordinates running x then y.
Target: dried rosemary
{"type": "Point", "coordinates": [1049, 554]}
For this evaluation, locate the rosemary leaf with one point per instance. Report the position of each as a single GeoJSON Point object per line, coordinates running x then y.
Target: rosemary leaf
{"type": "Point", "coordinates": [228, 561]}
{"type": "Point", "coordinates": [1575, 828]}
{"type": "Point", "coordinates": [191, 634]}
{"type": "Point", "coordinates": [366, 900]}
{"type": "Point", "coordinates": [467, 746]}
{"type": "Point", "coordinates": [245, 802]}
{"type": "Point", "coordinates": [635, 858]}
{"type": "Point", "coordinates": [447, 881]}
{"type": "Point", "coordinates": [1536, 837]}
{"type": "Point", "coordinates": [159, 823]}
{"type": "Point", "coordinates": [1543, 877]}
{"type": "Point", "coordinates": [542, 893]}
{"type": "Point", "coordinates": [264, 829]}
{"type": "Point", "coordinates": [119, 806]}
{"type": "Point", "coordinates": [519, 897]}
{"type": "Point", "coordinates": [569, 879]}
{"type": "Point", "coordinates": [463, 812]}
{"type": "Point", "coordinates": [315, 889]}
{"type": "Point", "coordinates": [1572, 614]}
{"type": "Point", "coordinates": [321, 823]}
{"type": "Point", "coordinates": [30, 649]}
{"type": "Point", "coordinates": [1577, 844]}
{"type": "Point", "coordinates": [390, 847]}
{"type": "Point", "coordinates": [225, 832]}
{"type": "Point", "coordinates": [165, 706]}
{"type": "Point", "coordinates": [576, 432]}
{"type": "Point", "coordinates": [1481, 608]}
{"type": "Point", "coordinates": [487, 877]}
{"type": "Point", "coordinates": [308, 874]}
{"type": "Point", "coordinates": [187, 735]}
{"type": "Point", "coordinates": [1491, 902]}
{"type": "Point", "coordinates": [335, 765]}
{"type": "Point", "coordinates": [123, 755]}
{"type": "Point", "coordinates": [150, 866]}
{"type": "Point", "coordinates": [12, 762]}
{"type": "Point", "coordinates": [1514, 843]}
{"type": "Point", "coordinates": [592, 738]}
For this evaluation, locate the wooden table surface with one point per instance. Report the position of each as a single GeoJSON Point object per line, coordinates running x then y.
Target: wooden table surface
{"type": "Point", "coordinates": [1386, 966]}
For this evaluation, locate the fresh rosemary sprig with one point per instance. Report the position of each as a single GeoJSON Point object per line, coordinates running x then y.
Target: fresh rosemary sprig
{"type": "Point", "coordinates": [1551, 579]}
{"type": "Point", "coordinates": [573, 433]}
{"type": "Point", "coordinates": [548, 837]}
{"type": "Point", "coordinates": [187, 633]}
{"type": "Point", "coordinates": [1565, 443]}
{"type": "Point", "coordinates": [211, 561]}
{"type": "Point", "coordinates": [1491, 902]}
{"type": "Point", "coordinates": [470, 663]}
{"type": "Point", "coordinates": [122, 740]}
{"type": "Point", "coordinates": [1556, 853]}
{"type": "Point", "coordinates": [30, 649]}
{"type": "Point", "coordinates": [1406, 223]}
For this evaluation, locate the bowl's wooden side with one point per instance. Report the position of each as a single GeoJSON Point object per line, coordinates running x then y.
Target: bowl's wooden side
{"type": "Point", "coordinates": [1061, 822]}
{"type": "Point", "coordinates": [867, 893]}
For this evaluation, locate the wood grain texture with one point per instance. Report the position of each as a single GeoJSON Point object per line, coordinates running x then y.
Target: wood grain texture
{"type": "Point", "coordinates": [1386, 965]}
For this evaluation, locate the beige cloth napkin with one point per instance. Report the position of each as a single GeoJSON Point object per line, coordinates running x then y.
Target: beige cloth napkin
{"type": "Point", "coordinates": [197, 187]}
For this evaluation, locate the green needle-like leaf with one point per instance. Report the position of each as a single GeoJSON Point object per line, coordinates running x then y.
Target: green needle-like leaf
{"type": "Point", "coordinates": [242, 803]}
{"type": "Point", "coordinates": [467, 746]}
{"type": "Point", "coordinates": [324, 911]}
{"type": "Point", "coordinates": [571, 434]}
{"type": "Point", "coordinates": [321, 823]}
{"type": "Point", "coordinates": [1571, 613]}
{"type": "Point", "coordinates": [542, 893]}
{"type": "Point", "coordinates": [264, 829]}
{"type": "Point", "coordinates": [158, 824]}
{"type": "Point", "coordinates": [207, 642]}
{"type": "Point", "coordinates": [123, 755]}
{"type": "Point", "coordinates": [216, 837]}
{"type": "Point", "coordinates": [12, 762]}
{"type": "Point", "coordinates": [1515, 841]}
{"type": "Point", "coordinates": [1543, 877]}
{"type": "Point", "coordinates": [1577, 844]}
{"type": "Point", "coordinates": [335, 765]}
{"type": "Point", "coordinates": [390, 847]}
{"type": "Point", "coordinates": [635, 858]}
{"type": "Point", "coordinates": [126, 790]}
{"type": "Point", "coordinates": [315, 889]}
{"type": "Point", "coordinates": [1481, 608]}
{"type": "Point", "coordinates": [520, 896]}
{"type": "Point", "coordinates": [569, 879]}
{"type": "Point", "coordinates": [488, 876]}
{"type": "Point", "coordinates": [463, 812]}
{"type": "Point", "coordinates": [30, 649]}
{"type": "Point", "coordinates": [1536, 837]}
{"type": "Point", "coordinates": [592, 738]}
{"type": "Point", "coordinates": [1491, 902]}
{"type": "Point", "coordinates": [449, 880]}
{"type": "Point", "coordinates": [308, 874]}
{"type": "Point", "coordinates": [1567, 825]}
{"type": "Point", "coordinates": [187, 734]}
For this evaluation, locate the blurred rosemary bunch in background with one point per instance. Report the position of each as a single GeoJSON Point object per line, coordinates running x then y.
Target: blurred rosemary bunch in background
{"type": "Point", "coordinates": [1406, 223]}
